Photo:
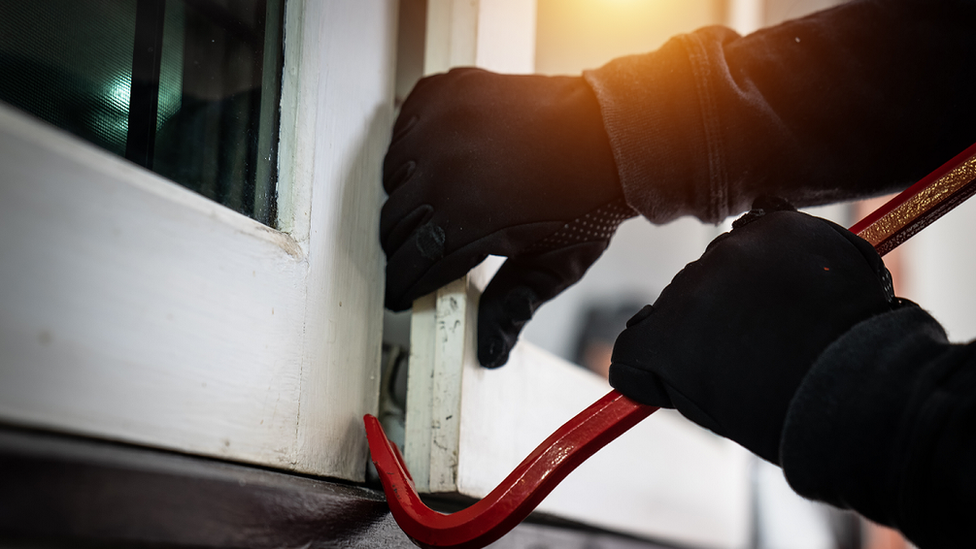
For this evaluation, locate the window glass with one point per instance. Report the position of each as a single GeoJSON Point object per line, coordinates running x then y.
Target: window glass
{"type": "Point", "coordinates": [187, 88]}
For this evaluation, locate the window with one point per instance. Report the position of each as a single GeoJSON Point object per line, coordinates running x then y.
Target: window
{"type": "Point", "coordinates": [187, 88]}
{"type": "Point", "coordinates": [136, 310]}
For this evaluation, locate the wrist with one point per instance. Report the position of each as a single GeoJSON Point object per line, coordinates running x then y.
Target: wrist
{"type": "Point", "coordinates": [660, 115]}
{"type": "Point", "coordinates": [851, 426]}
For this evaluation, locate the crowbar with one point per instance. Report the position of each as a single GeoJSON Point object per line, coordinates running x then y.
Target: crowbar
{"type": "Point", "coordinates": [511, 501]}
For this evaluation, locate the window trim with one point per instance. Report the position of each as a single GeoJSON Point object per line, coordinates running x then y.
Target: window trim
{"type": "Point", "coordinates": [136, 310]}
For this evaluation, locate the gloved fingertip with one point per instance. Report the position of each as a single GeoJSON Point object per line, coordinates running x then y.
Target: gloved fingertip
{"type": "Point", "coordinates": [493, 353]}
{"type": "Point", "coordinates": [399, 176]}
{"type": "Point", "coordinates": [431, 241]}
{"type": "Point", "coordinates": [647, 311]}
{"type": "Point", "coordinates": [640, 385]}
{"type": "Point", "coordinates": [394, 303]}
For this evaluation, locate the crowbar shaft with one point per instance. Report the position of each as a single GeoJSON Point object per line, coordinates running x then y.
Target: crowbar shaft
{"type": "Point", "coordinates": [511, 501]}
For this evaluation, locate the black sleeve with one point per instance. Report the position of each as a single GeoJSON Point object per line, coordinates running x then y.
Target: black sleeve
{"type": "Point", "coordinates": [858, 100]}
{"type": "Point", "coordinates": [885, 424]}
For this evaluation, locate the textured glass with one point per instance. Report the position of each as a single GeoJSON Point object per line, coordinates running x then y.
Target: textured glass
{"type": "Point", "coordinates": [171, 64]}
{"type": "Point", "coordinates": [186, 88]}
{"type": "Point", "coordinates": [69, 63]}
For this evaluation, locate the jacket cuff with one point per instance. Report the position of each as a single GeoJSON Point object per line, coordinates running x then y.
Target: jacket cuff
{"type": "Point", "coordinates": [657, 110]}
{"type": "Point", "coordinates": [850, 428]}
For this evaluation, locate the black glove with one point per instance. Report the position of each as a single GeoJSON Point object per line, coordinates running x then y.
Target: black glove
{"type": "Point", "coordinates": [482, 163]}
{"type": "Point", "coordinates": [729, 340]}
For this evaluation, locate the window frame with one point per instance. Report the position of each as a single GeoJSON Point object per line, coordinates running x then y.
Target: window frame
{"type": "Point", "coordinates": [133, 309]}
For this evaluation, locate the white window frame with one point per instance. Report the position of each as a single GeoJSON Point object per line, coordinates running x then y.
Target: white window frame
{"type": "Point", "coordinates": [133, 309]}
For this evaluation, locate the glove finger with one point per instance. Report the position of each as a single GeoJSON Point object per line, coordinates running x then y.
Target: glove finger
{"type": "Point", "coordinates": [394, 233]}
{"type": "Point", "coordinates": [431, 257]}
{"type": "Point", "coordinates": [640, 385]}
{"type": "Point", "coordinates": [418, 254]}
{"type": "Point", "coordinates": [419, 266]}
{"type": "Point", "coordinates": [406, 145]}
{"type": "Point", "coordinates": [632, 360]}
{"type": "Point", "coordinates": [519, 288]}
{"type": "Point", "coordinates": [402, 126]}
{"type": "Point", "coordinates": [398, 213]}
{"type": "Point", "coordinates": [394, 179]}
{"type": "Point", "coordinates": [400, 164]}
{"type": "Point", "coordinates": [437, 106]}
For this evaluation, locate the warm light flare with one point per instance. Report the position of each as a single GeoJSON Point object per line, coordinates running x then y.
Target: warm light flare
{"type": "Point", "coordinates": [573, 35]}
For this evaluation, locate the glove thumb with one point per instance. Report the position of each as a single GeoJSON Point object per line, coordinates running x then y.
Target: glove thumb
{"type": "Point", "coordinates": [629, 371]}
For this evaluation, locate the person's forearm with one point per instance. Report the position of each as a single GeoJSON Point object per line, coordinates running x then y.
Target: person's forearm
{"type": "Point", "coordinates": [885, 424]}
{"type": "Point", "coordinates": [854, 101]}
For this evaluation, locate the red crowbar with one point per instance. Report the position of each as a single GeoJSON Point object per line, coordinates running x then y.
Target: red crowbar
{"type": "Point", "coordinates": [512, 500]}
{"type": "Point", "coordinates": [593, 428]}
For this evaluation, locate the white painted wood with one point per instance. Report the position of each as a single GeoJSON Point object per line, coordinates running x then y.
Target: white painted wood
{"type": "Point", "coordinates": [113, 283]}
{"type": "Point", "coordinates": [506, 36]}
{"type": "Point", "coordinates": [133, 309]}
{"type": "Point", "coordinates": [497, 35]}
{"type": "Point", "coordinates": [418, 420]}
{"type": "Point", "coordinates": [352, 109]}
{"type": "Point", "coordinates": [666, 478]}
{"type": "Point", "coordinates": [746, 16]}
{"type": "Point", "coordinates": [468, 427]}
{"type": "Point", "coordinates": [452, 34]}
{"type": "Point", "coordinates": [297, 126]}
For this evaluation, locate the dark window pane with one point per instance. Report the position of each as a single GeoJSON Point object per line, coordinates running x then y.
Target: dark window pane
{"type": "Point", "coordinates": [187, 88]}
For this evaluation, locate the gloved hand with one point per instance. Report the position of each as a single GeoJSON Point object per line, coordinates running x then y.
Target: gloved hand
{"type": "Point", "coordinates": [482, 163]}
{"type": "Point", "coordinates": [729, 340]}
